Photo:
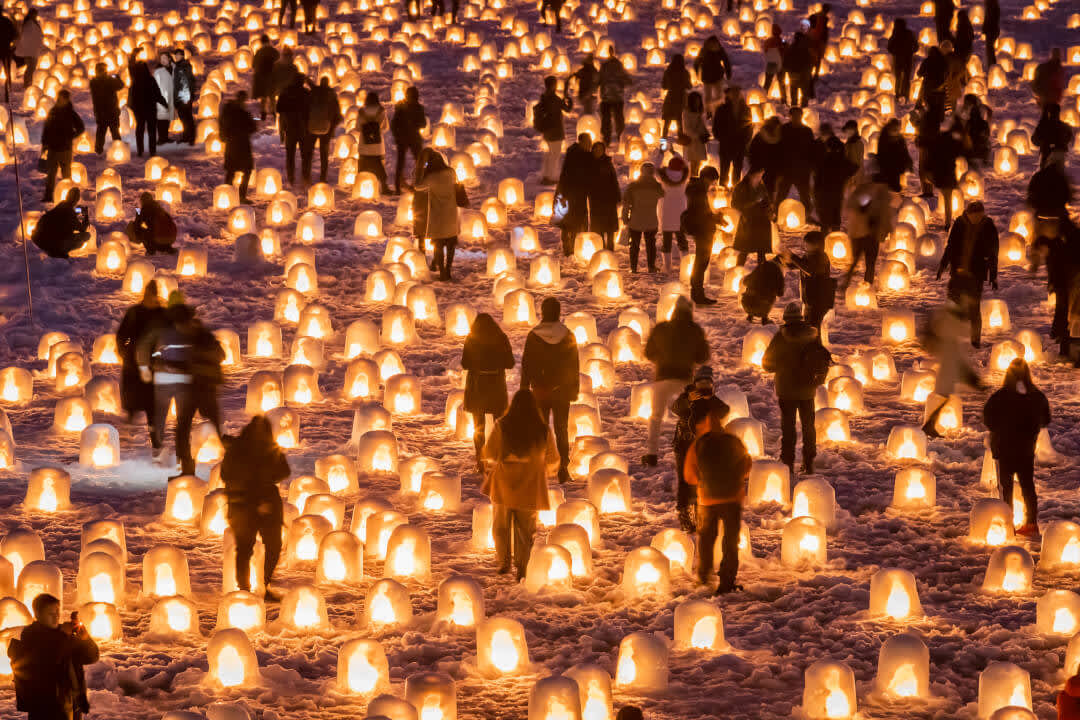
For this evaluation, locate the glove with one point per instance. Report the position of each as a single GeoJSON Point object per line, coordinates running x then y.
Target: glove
{"type": "Point", "coordinates": [144, 374]}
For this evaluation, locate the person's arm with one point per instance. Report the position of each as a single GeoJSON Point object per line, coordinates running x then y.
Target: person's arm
{"type": "Point", "coordinates": [281, 469]}
{"type": "Point", "coordinates": [84, 651]}
{"type": "Point", "coordinates": [492, 451]}
{"type": "Point", "coordinates": [691, 474]}
{"type": "Point", "coordinates": [701, 351]}
{"type": "Point", "coordinates": [1044, 410]}
{"type": "Point", "coordinates": [769, 361]}
{"type": "Point", "coordinates": [507, 354]}
{"type": "Point", "coordinates": [992, 247]}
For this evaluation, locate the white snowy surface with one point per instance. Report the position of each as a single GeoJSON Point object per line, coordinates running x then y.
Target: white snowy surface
{"type": "Point", "coordinates": [782, 623]}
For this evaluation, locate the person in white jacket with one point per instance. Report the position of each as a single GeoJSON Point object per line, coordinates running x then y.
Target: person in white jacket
{"type": "Point", "coordinates": [372, 124]}
{"type": "Point", "coordinates": [30, 45]}
{"type": "Point", "coordinates": [164, 78]}
{"type": "Point", "coordinates": [673, 178]}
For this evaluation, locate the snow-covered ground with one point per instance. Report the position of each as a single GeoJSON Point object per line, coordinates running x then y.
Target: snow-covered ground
{"type": "Point", "coordinates": [784, 620]}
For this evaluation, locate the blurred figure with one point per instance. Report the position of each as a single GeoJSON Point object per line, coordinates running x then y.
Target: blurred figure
{"type": "Point", "coordinates": [869, 219]}
{"type": "Point", "coordinates": [1057, 243]}
{"type": "Point", "coordinates": [944, 342]}
{"type": "Point", "coordinates": [262, 76]}
{"type": "Point", "coordinates": [956, 75]}
{"type": "Point", "coordinates": [971, 254]}
{"type": "Point", "coordinates": [1049, 82]}
{"type": "Point", "coordinates": [855, 150]}
{"type": "Point", "coordinates": [944, 152]}
{"type": "Point", "coordinates": [673, 179]}
{"type": "Point", "coordinates": [436, 194]}
{"type": "Point", "coordinates": [8, 35]}
{"type": "Point", "coordinates": [136, 395]}
{"type": "Point", "coordinates": [552, 8]}
{"type": "Point", "coordinates": [991, 30]}
{"type": "Point", "coordinates": [30, 45]}
{"type": "Point", "coordinates": [153, 227]}
{"type": "Point", "coordinates": [694, 132]}
{"type": "Point", "coordinates": [683, 408]}
{"type": "Point", "coordinates": [184, 90]}
{"type": "Point", "coordinates": [237, 126]}
{"type": "Point", "coordinates": [754, 233]}
{"type": "Point", "coordinates": [761, 287]}
{"type": "Point", "coordinates": [311, 11]}
{"type": "Point", "coordinates": [797, 150]}
{"type": "Point", "coordinates": [604, 196]}
{"type": "Point", "coordinates": [932, 71]}
{"type": "Point", "coordinates": [288, 7]}
{"type": "Point", "coordinates": [588, 81]}
{"type": "Point", "coordinates": [773, 49]}
{"type": "Point", "coordinates": [640, 216]}
{"type": "Point", "coordinates": [817, 288]}
{"type": "Point", "coordinates": [766, 154]}
{"type": "Point", "coordinates": [62, 126]}
{"type": "Point", "coordinates": [964, 37]}
{"type": "Point", "coordinates": [64, 228]}
{"type": "Point", "coordinates": [831, 174]}
{"type": "Point", "coordinates": [943, 17]}
{"type": "Point", "coordinates": [893, 159]}
{"type": "Point", "coordinates": [713, 66]}
{"type": "Point", "coordinates": [614, 79]}
{"type": "Point", "coordinates": [732, 129]}
{"type": "Point", "coordinates": [676, 82]}
{"type": "Point", "coordinates": [144, 97]}
{"type": "Point", "coordinates": [1053, 136]}
{"type": "Point", "coordinates": [902, 47]}
{"type": "Point", "coordinates": [104, 90]}
{"type": "Point", "coordinates": [548, 121]}
{"type": "Point", "coordinates": [406, 126]}
{"type": "Point", "coordinates": [486, 357]}
{"type": "Point", "coordinates": [324, 116]}
{"type": "Point", "coordinates": [799, 63]}
{"type": "Point", "coordinates": [372, 123]}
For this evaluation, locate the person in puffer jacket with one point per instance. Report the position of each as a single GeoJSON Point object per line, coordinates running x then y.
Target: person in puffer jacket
{"type": "Point", "coordinates": [639, 214]}
{"type": "Point", "coordinates": [675, 347]}
{"type": "Point", "coordinates": [1068, 700]}
{"type": "Point", "coordinates": [550, 367]}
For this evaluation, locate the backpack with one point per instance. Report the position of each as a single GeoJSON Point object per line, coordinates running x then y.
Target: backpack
{"type": "Point", "coordinates": [814, 363]}
{"type": "Point", "coordinates": [542, 120]}
{"type": "Point", "coordinates": [320, 117]}
{"type": "Point", "coordinates": [370, 132]}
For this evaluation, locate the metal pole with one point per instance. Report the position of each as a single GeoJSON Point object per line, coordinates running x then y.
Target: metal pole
{"type": "Point", "coordinates": [18, 194]}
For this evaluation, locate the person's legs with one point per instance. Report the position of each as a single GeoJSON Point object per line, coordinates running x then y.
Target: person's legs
{"type": "Point", "coordinates": [99, 138]}
{"type": "Point", "coordinates": [163, 396]}
{"type": "Point", "coordinates": [1025, 475]}
{"type": "Point", "coordinates": [730, 514]}
{"type": "Point", "coordinates": [650, 249]}
{"type": "Point", "coordinates": [31, 67]}
{"type": "Point", "coordinates": [245, 179]}
{"type": "Point", "coordinates": [186, 404]}
{"type": "Point", "coordinates": [870, 251]}
{"type": "Point", "coordinates": [291, 143]}
{"type": "Point", "coordinates": [324, 161]}
{"type": "Point", "coordinates": [187, 118]}
{"type": "Point", "coordinates": [783, 187]}
{"type": "Point", "coordinates": [243, 525]}
{"type": "Point", "coordinates": [270, 531]}
{"type": "Point", "coordinates": [664, 391]}
{"type": "Point", "coordinates": [524, 527]}
{"type": "Point", "coordinates": [560, 415]}
{"type": "Point", "coordinates": [307, 154]}
{"type": "Point", "coordinates": [568, 236]}
{"type": "Point", "coordinates": [620, 121]}
{"type": "Point", "coordinates": [607, 113]}
{"type": "Point", "coordinates": [803, 186]}
{"type": "Point", "coordinates": [635, 248]}
{"type": "Point", "coordinates": [549, 165]}
{"type": "Point", "coordinates": [684, 492]}
{"type": "Point", "coordinates": [975, 315]}
{"type": "Point", "coordinates": [140, 130]}
{"type": "Point", "coordinates": [52, 164]}
{"type": "Point", "coordinates": [451, 247]}
{"type": "Point", "coordinates": [809, 434]}
{"type": "Point", "coordinates": [479, 432]}
{"type": "Point", "coordinates": [708, 529]}
{"type": "Point", "coordinates": [788, 408]}
{"type": "Point", "coordinates": [500, 531]}
{"type": "Point", "coordinates": [399, 165]}
{"type": "Point", "coordinates": [1005, 472]}
{"type": "Point", "coordinates": [702, 254]}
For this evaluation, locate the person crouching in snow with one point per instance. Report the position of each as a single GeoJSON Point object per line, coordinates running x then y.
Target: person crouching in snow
{"type": "Point", "coordinates": [63, 228]}
{"type": "Point", "coordinates": [683, 438]}
{"type": "Point", "coordinates": [674, 347]}
{"type": "Point", "coordinates": [816, 284]}
{"type": "Point", "coordinates": [718, 466]}
{"type": "Point", "coordinates": [153, 228]}
{"type": "Point", "coordinates": [761, 287]}
{"type": "Point", "coordinates": [944, 340]}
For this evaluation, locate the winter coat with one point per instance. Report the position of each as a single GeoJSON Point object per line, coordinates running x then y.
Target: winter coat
{"type": "Point", "coordinates": [712, 65]}
{"type": "Point", "coordinates": [699, 219]}
{"type": "Point", "coordinates": [1068, 700]}
{"type": "Point", "coordinates": [62, 126]}
{"type": "Point", "coordinates": [718, 465]}
{"type": "Point", "coordinates": [183, 82]}
{"type": "Point", "coordinates": [604, 196]}
{"type": "Point", "coordinates": [693, 126]}
{"type": "Point", "coordinates": [833, 166]}
{"type": "Point", "coordinates": [797, 151]}
{"type": "Point", "coordinates": [1048, 85]}
{"type": "Point", "coordinates": [157, 225]}
{"type": "Point", "coordinates": [518, 482]}
{"type": "Point", "coordinates": [8, 35]}
{"type": "Point", "coordinates": [282, 74]}
{"type": "Point", "coordinates": [1014, 420]}
{"type": "Point", "coordinates": [552, 107]}
{"type": "Point", "coordinates": [31, 40]}
{"type": "Point", "coordinates": [855, 150]}
{"type": "Point", "coordinates": [774, 48]}
{"type": "Point", "coordinates": [292, 110]}
{"type": "Point", "coordinates": [437, 194]}
{"type": "Point", "coordinates": [799, 57]}
{"type": "Point", "coordinates": [893, 160]}
{"type": "Point", "coordinates": [262, 84]}
{"type": "Point", "coordinates": [816, 286]}
{"type": "Point", "coordinates": [902, 46]}
{"type": "Point", "coordinates": [992, 21]}
{"type": "Point", "coordinates": [677, 83]}
{"type": "Point", "coordinates": [982, 258]}
{"type": "Point", "coordinates": [1049, 192]}
{"type": "Point", "coordinates": [408, 122]}
{"type": "Point", "coordinates": [640, 202]}
{"type": "Point", "coordinates": [1062, 257]}
{"type": "Point", "coordinates": [588, 80]}
{"type": "Point", "coordinates": [1052, 135]}
{"type": "Point", "coordinates": [549, 364]}
{"type": "Point", "coordinates": [614, 79]}
{"type": "Point", "coordinates": [784, 356]}
{"type": "Point", "coordinates": [676, 346]}
{"type": "Point", "coordinates": [672, 204]}
{"type": "Point", "coordinates": [964, 37]}
{"type": "Point", "coordinates": [761, 287]}
{"type": "Point", "coordinates": [766, 153]}
{"type": "Point", "coordinates": [573, 184]}
{"type": "Point", "coordinates": [978, 136]}
{"type": "Point", "coordinates": [181, 353]}
{"type": "Point", "coordinates": [164, 78]}
{"type": "Point", "coordinates": [754, 233]}
{"type": "Point", "coordinates": [103, 96]}
{"type": "Point", "coordinates": [138, 320]}
{"type": "Point", "coordinates": [47, 664]}
{"type": "Point", "coordinates": [144, 95]}
{"type": "Point", "coordinates": [485, 361]}
{"type": "Point", "coordinates": [251, 474]}
{"type": "Point", "coordinates": [324, 111]}
{"type": "Point", "coordinates": [943, 154]}
{"type": "Point", "coordinates": [237, 126]}
{"type": "Point", "coordinates": [372, 114]}
{"type": "Point", "coordinates": [956, 76]}
{"type": "Point", "coordinates": [874, 220]}
{"type": "Point", "coordinates": [732, 127]}
{"type": "Point", "coordinates": [57, 230]}
{"type": "Point", "coordinates": [932, 71]}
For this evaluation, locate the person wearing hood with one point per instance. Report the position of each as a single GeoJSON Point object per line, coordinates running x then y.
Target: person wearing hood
{"type": "Point", "coordinates": [104, 90]}
{"type": "Point", "coordinates": [831, 174]}
{"type": "Point", "coordinates": [696, 396]}
{"type": "Point", "coordinates": [1049, 192]}
{"type": "Point", "coordinates": [1053, 136]}
{"type": "Point", "coordinates": [773, 50]}
{"type": "Point", "coordinates": [588, 81]}
{"type": "Point", "coordinates": [252, 470]}
{"type": "Point", "coordinates": [765, 153]}
{"type": "Point", "coordinates": [614, 79]}
{"type": "Point", "coordinates": [604, 196]}
{"type": "Point", "coordinates": [699, 221]}
{"type": "Point", "coordinates": [262, 76]}
{"type": "Point", "coordinates": [135, 394]}
{"type": "Point", "coordinates": [521, 453]}
{"type": "Point", "coordinates": [573, 188]}
{"type": "Point", "coordinates": [184, 89]}
{"type": "Point", "coordinates": [237, 127]}
{"type": "Point", "coordinates": [675, 347]}
{"type": "Point", "coordinates": [732, 129]}
{"type": "Point", "coordinates": [943, 16]}
{"type": "Point", "coordinates": [153, 227]}
{"type": "Point", "coordinates": [486, 357]}
{"type": "Point", "coordinates": [991, 28]}
{"type": "Point", "coordinates": [548, 121]}
{"type": "Point", "coordinates": [893, 158]}
{"type": "Point", "coordinates": [971, 254]}
{"type": "Point", "coordinates": [817, 288]}
{"type": "Point", "coordinates": [797, 150]}
{"type": "Point", "coordinates": [63, 228]}
{"type": "Point", "coordinates": [799, 360]}
{"type": "Point", "coordinates": [62, 125]}
{"type": "Point", "coordinates": [713, 66]}
{"type": "Point", "coordinates": [407, 127]}
{"type": "Point", "coordinates": [639, 214]}
{"type": "Point", "coordinates": [292, 109]}
{"type": "Point", "coordinates": [944, 341]}
{"type": "Point", "coordinates": [673, 179]}
{"type": "Point", "coordinates": [695, 135]}
{"type": "Point", "coordinates": [677, 83]}
{"type": "Point", "coordinates": [1015, 415]}
{"type": "Point", "coordinates": [549, 368]}
{"type": "Point", "coordinates": [163, 76]}
{"type": "Point", "coordinates": [372, 124]}
{"type": "Point", "coordinates": [902, 48]}
{"type": "Point", "coordinates": [718, 465]}
{"type": "Point", "coordinates": [30, 45]}
{"type": "Point", "coordinates": [435, 210]}
{"type": "Point", "coordinates": [761, 287]}
{"type": "Point", "coordinates": [869, 219]}
{"type": "Point", "coordinates": [754, 233]}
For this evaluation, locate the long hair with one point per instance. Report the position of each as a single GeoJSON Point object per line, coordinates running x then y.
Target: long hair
{"type": "Point", "coordinates": [484, 329]}
{"type": "Point", "coordinates": [1018, 372]}
{"type": "Point", "coordinates": [258, 435]}
{"type": "Point", "coordinates": [523, 428]}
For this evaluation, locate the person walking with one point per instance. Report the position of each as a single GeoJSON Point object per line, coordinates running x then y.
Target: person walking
{"type": "Point", "coordinates": [640, 216]}
{"type": "Point", "coordinates": [604, 196]}
{"type": "Point", "coordinates": [932, 94]}
{"type": "Point", "coordinates": [521, 453]}
{"type": "Point", "coordinates": [587, 78]}
{"type": "Point", "coordinates": [819, 41]}
{"type": "Point", "coordinates": [902, 48]}
{"type": "Point", "coordinates": [104, 90]}
{"type": "Point", "coordinates": [135, 394]}
{"type": "Point", "coordinates": [252, 470]}
{"type": "Point", "coordinates": [549, 368]}
{"type": "Point", "coordinates": [1049, 192]}
{"type": "Point", "coordinates": [282, 74]}
{"type": "Point", "coordinates": [956, 75]}
{"type": "Point", "coordinates": [144, 97]}
{"type": "Point", "coordinates": [153, 227]}
{"type": "Point", "coordinates": [30, 45]}
{"type": "Point", "coordinates": [163, 76]}
{"type": "Point", "coordinates": [732, 129]}
{"type": "Point", "coordinates": [943, 17]}
{"type": "Point", "coordinates": [800, 362]}
{"type": "Point", "coordinates": [869, 219]}
{"type": "Point", "coordinates": [718, 465]}
{"type": "Point", "coordinates": [799, 63]}
{"type": "Point", "coordinates": [372, 123]}
{"type": "Point", "coordinates": [614, 79]}
{"type": "Point", "coordinates": [673, 180]}
{"type": "Point", "coordinates": [893, 159]}
{"type": "Point", "coordinates": [699, 221]}
{"type": "Point", "coordinates": [436, 196]}
{"type": "Point", "coordinates": [324, 116]}
{"type": "Point", "coordinates": [773, 50]}
{"type": "Point", "coordinates": [944, 342]}
{"type": "Point", "coordinates": [695, 134]}
{"type": "Point", "coordinates": [676, 83]}
{"type": "Point", "coordinates": [971, 255]}
{"type": "Point", "coordinates": [964, 38]}
{"type": "Point", "coordinates": [1014, 415]}
{"type": "Point", "coordinates": [797, 150]}
{"type": "Point", "coordinates": [760, 288]}
{"type": "Point", "coordinates": [831, 174]}
{"type": "Point", "coordinates": [713, 67]}
{"type": "Point", "coordinates": [185, 88]}
{"type": "Point", "coordinates": [47, 661]}
{"type": "Point", "coordinates": [754, 233]}
{"type": "Point", "coordinates": [855, 150]}
{"type": "Point", "coordinates": [311, 12]}
{"type": "Point", "coordinates": [237, 127]}
{"type": "Point", "coordinates": [486, 357]}
{"type": "Point", "coordinates": [553, 9]}
{"type": "Point", "coordinates": [406, 126]}
{"type": "Point", "coordinates": [62, 126]}
{"type": "Point", "coordinates": [675, 347]}
{"type": "Point", "coordinates": [293, 107]}
{"type": "Point", "coordinates": [766, 154]}
{"type": "Point", "coordinates": [262, 76]}
{"type": "Point", "coordinates": [991, 30]}
{"type": "Point", "coordinates": [549, 122]}
{"type": "Point", "coordinates": [572, 189]}
{"type": "Point", "coordinates": [288, 7]}
{"type": "Point", "coordinates": [1053, 136]}
{"type": "Point", "coordinates": [944, 152]}
{"type": "Point", "coordinates": [685, 407]}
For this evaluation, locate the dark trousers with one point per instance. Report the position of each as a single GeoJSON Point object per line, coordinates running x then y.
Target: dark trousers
{"type": "Point", "coordinates": [941, 26]}
{"type": "Point", "coordinates": [513, 532]}
{"type": "Point", "coordinates": [201, 398]}
{"type": "Point", "coordinates": [800, 87]}
{"type": "Point", "coordinates": [903, 81]}
{"type": "Point", "coordinates": [805, 409]}
{"type": "Point", "coordinates": [187, 118]}
{"type": "Point", "coordinates": [702, 255]}
{"type": "Point", "coordinates": [444, 256]}
{"type": "Point", "coordinates": [559, 412]}
{"type": "Point", "coordinates": [479, 431]}
{"type": "Point", "coordinates": [679, 238]}
{"type": "Point", "coordinates": [403, 148]}
{"type": "Point", "coordinates": [865, 247]}
{"type": "Point", "coordinates": [552, 6]}
{"type": "Point", "coordinates": [991, 51]}
{"type": "Point", "coordinates": [374, 164]}
{"type": "Point", "coordinates": [802, 184]}
{"type": "Point", "coordinates": [609, 239]}
{"type": "Point", "coordinates": [292, 143]}
{"type": "Point", "coordinates": [110, 126]}
{"type": "Point", "coordinates": [611, 119]}
{"type": "Point", "coordinates": [145, 126]}
{"type": "Point", "coordinates": [973, 292]}
{"type": "Point", "coordinates": [732, 160]}
{"type": "Point", "coordinates": [650, 248]}
{"type": "Point", "coordinates": [568, 236]}
{"type": "Point", "coordinates": [162, 131]}
{"type": "Point", "coordinates": [710, 517]}
{"type": "Point", "coordinates": [684, 492]}
{"type": "Point", "coordinates": [323, 142]}
{"type": "Point", "coordinates": [246, 524]}
{"type": "Point", "coordinates": [287, 7]}
{"type": "Point", "coordinates": [56, 160]}
{"type": "Point", "coordinates": [1024, 470]}
{"type": "Point", "coordinates": [815, 315]}
{"type": "Point", "coordinates": [245, 179]}
{"type": "Point", "coordinates": [1059, 327]}
{"type": "Point", "coordinates": [310, 10]}
{"type": "Point", "coordinates": [830, 204]}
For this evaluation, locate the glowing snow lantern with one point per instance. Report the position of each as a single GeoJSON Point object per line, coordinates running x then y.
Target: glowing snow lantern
{"type": "Point", "coordinates": [328, 506]}
{"type": "Point", "coordinates": [770, 482]}
{"type": "Point", "coordinates": [241, 220]}
{"type": "Point", "coordinates": [316, 322]}
{"type": "Point", "coordinates": [1003, 353]}
{"type": "Point", "coordinates": [1009, 571]}
{"type": "Point", "coordinates": [184, 499]}
{"type": "Point", "coordinates": [677, 547]}
{"type": "Point", "coordinates": [264, 340]}
{"type": "Point", "coordinates": [642, 664]}
{"type": "Point", "coordinates": [550, 569]}
{"type": "Point", "coordinates": [754, 344]}
{"type": "Point", "coordinates": [458, 320]}
{"type": "Point", "coordinates": [100, 579]}
{"type": "Point", "coordinates": [1006, 161]}
{"type": "Point", "coordinates": [362, 668]}
{"type": "Point", "coordinates": [108, 206]}
{"type": "Point", "coordinates": [803, 543]}
{"type": "Point", "coordinates": [7, 450]}
{"type": "Point", "coordinates": [501, 648]}
{"type": "Point", "coordinates": [104, 351]}
{"type": "Point", "coordinates": [917, 385]}
{"type": "Point", "coordinates": [101, 620]}
{"type": "Point", "coordinates": [816, 498]}
{"type": "Point", "coordinates": [995, 315]}
{"type": "Point", "coordinates": [482, 523]}
{"type": "Point", "coordinates": [361, 338]}
{"type": "Point", "coordinates": [609, 490]}
{"type": "Point", "coordinates": [893, 595]}
{"type": "Point", "coordinates": [845, 394]}
{"type": "Point", "coordinates": [1012, 250]}
{"type": "Point", "coordinates": [903, 669]}
{"type": "Point", "coordinates": [173, 616]}
{"type": "Point", "coordinates": [583, 513]}
{"type": "Point", "coordinates": [387, 605]}
{"type": "Point", "coordinates": [72, 372]}
{"type": "Point", "coordinates": [791, 214]}
{"type": "Point", "coordinates": [519, 308]}
{"type": "Point", "coordinates": [380, 526]}
{"type": "Point", "coordinates": [398, 326]}
{"type": "Point", "coordinates": [555, 698]}
{"type": "Point", "coordinates": [460, 603]}
{"type": "Point", "coordinates": [213, 518]}
{"type": "Point", "coordinates": [576, 541]}
{"type": "Point", "coordinates": [1058, 613]}
{"type": "Point", "coordinates": [321, 197]}
{"type": "Point", "coordinates": [586, 245]}
{"type": "Point", "coordinates": [951, 417]}
{"type": "Point", "coordinates": [368, 225]}
{"type": "Point", "coordinates": [914, 488]}
{"type": "Point", "coordinates": [907, 442]}
{"type": "Point", "coordinates": [165, 572]}
{"type": "Point", "coordinates": [225, 197]}
{"type": "Point", "coordinates": [48, 489]}
{"type": "Point", "coordinates": [894, 276]}
{"type": "Point", "coordinates": [832, 425]}
{"type": "Point", "coordinates": [99, 446]}
{"type": "Point", "coordinates": [990, 522]}
{"type": "Point", "coordinates": [608, 285]}
{"type": "Point", "coordinates": [594, 690]}
{"type": "Point", "coordinates": [306, 534]}
{"type": "Point", "coordinates": [13, 614]}
{"type": "Point", "coordinates": [1060, 546]}
{"type": "Point", "coordinates": [898, 326]}
{"type": "Point", "coordinates": [829, 691]}
{"type": "Point", "coordinates": [16, 385]}
{"type": "Point", "coordinates": [860, 296]}
{"type": "Point", "coordinates": [433, 694]}
{"type": "Point", "coordinates": [699, 625]}
{"type": "Point", "coordinates": [231, 658]}
{"type": "Point", "coordinates": [302, 278]}
{"type": "Point", "coordinates": [408, 554]}
{"type": "Point", "coordinates": [1002, 685]}
{"type": "Point", "coordinates": [72, 414]}
{"type": "Point", "coordinates": [440, 492]}
{"type": "Point", "coordinates": [646, 573]}
{"type": "Point", "coordinates": [303, 609]}
{"type": "Point", "coordinates": [752, 434]}
{"type": "Point", "coordinates": [301, 385]}
{"type": "Point", "coordinates": [338, 472]}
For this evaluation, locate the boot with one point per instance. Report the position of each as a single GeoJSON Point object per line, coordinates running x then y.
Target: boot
{"type": "Point", "coordinates": [667, 262]}
{"type": "Point", "coordinates": [649, 460]}
{"type": "Point", "coordinates": [698, 296]}
{"type": "Point", "coordinates": [564, 475]}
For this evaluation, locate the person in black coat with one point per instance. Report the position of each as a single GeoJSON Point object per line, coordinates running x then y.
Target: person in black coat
{"type": "Point", "coordinates": [732, 128]}
{"type": "Point", "coordinates": [1049, 192]}
{"type": "Point", "coordinates": [713, 66]}
{"type": "Point", "coordinates": [754, 233]}
{"type": "Point", "coordinates": [604, 196]}
{"type": "Point", "coordinates": [251, 470]}
{"type": "Point", "coordinates": [135, 394]}
{"type": "Point", "coordinates": [47, 661]}
{"type": "Point", "coordinates": [830, 177]}
{"type": "Point", "coordinates": [992, 30]}
{"type": "Point", "coordinates": [153, 227]}
{"type": "Point", "coordinates": [964, 39]}
{"type": "Point", "coordinates": [976, 123]}
{"type": "Point", "coordinates": [943, 16]}
{"type": "Point", "coordinates": [697, 395]}
{"type": "Point", "coordinates": [62, 126]}
{"type": "Point", "coordinates": [63, 228]}
{"type": "Point", "coordinates": [406, 125]}
{"type": "Point", "coordinates": [761, 287]}
{"type": "Point", "coordinates": [1057, 243]}
{"type": "Point", "coordinates": [944, 152]}
{"type": "Point", "coordinates": [699, 222]}
{"type": "Point", "coordinates": [799, 64]}
{"type": "Point", "coordinates": [549, 122]}
{"type": "Point", "coordinates": [932, 70]}
{"type": "Point", "coordinates": [262, 76]}
{"type": "Point", "coordinates": [677, 84]}
{"type": "Point", "coordinates": [816, 284]}
{"type": "Point", "coordinates": [1053, 136]}
{"type": "Point", "coordinates": [8, 35]}
{"type": "Point", "coordinates": [798, 150]}
{"type": "Point", "coordinates": [893, 158]}
{"type": "Point", "coordinates": [237, 127]}
{"type": "Point", "coordinates": [1015, 415]}
{"type": "Point", "coordinates": [573, 189]}
{"type": "Point", "coordinates": [902, 47]}
{"type": "Point", "coordinates": [486, 357]}
{"type": "Point", "coordinates": [550, 367]}
{"type": "Point", "coordinates": [144, 96]}
{"type": "Point", "coordinates": [766, 153]}
{"type": "Point", "coordinates": [103, 95]}
{"type": "Point", "coordinates": [184, 93]}
{"type": "Point", "coordinates": [971, 255]}
{"type": "Point", "coordinates": [292, 110]}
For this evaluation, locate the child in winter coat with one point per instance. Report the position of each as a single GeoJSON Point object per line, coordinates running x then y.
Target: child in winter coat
{"type": "Point", "coordinates": [816, 284]}
{"type": "Point", "coordinates": [761, 288]}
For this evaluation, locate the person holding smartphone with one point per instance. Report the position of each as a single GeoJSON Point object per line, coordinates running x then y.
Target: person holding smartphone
{"type": "Point", "coordinates": [64, 228]}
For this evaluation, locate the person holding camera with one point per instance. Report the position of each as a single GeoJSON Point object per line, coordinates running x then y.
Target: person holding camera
{"type": "Point", "coordinates": [47, 664]}
{"type": "Point", "coordinates": [152, 227]}
{"type": "Point", "coordinates": [63, 228]}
